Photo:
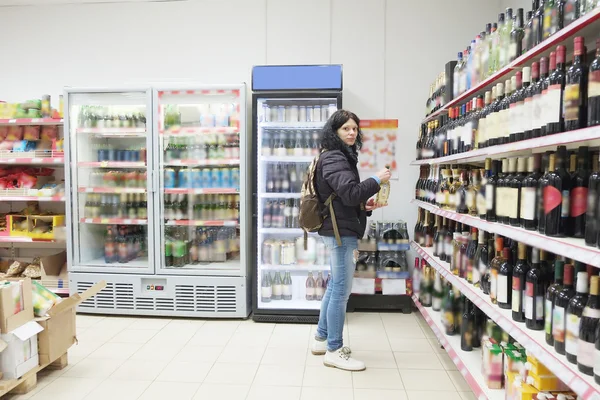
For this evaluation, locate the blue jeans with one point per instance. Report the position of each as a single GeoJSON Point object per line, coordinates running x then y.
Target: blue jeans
{"type": "Point", "coordinates": [333, 306]}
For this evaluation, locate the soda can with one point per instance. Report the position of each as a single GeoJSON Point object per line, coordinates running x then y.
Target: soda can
{"type": "Point", "coordinates": [206, 178]}
{"type": "Point", "coordinates": [196, 178]}
{"type": "Point", "coordinates": [170, 178]}
{"type": "Point", "coordinates": [103, 155]}
{"type": "Point", "coordinates": [216, 177]}
{"type": "Point", "coordinates": [184, 178]}
{"type": "Point", "coordinates": [226, 177]}
{"type": "Point", "coordinates": [135, 155]}
{"type": "Point", "coordinates": [235, 178]}
{"type": "Point", "coordinates": [111, 154]}
{"type": "Point", "coordinates": [121, 155]}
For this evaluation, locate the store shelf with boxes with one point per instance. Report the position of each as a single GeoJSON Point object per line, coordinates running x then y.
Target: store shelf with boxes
{"type": "Point", "coordinates": [32, 192]}
{"type": "Point", "coordinates": [508, 192]}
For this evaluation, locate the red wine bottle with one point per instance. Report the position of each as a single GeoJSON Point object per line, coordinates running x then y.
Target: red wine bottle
{"type": "Point", "coordinates": [542, 182]}
{"type": "Point", "coordinates": [529, 203]}
{"type": "Point", "coordinates": [490, 192]}
{"type": "Point", "coordinates": [529, 121]}
{"type": "Point", "coordinates": [539, 97]}
{"type": "Point", "coordinates": [573, 317]}
{"type": "Point", "coordinates": [561, 302]}
{"type": "Point", "coordinates": [579, 195]}
{"type": "Point", "coordinates": [534, 294]}
{"type": "Point", "coordinates": [559, 267]}
{"type": "Point", "coordinates": [518, 284]}
{"type": "Point", "coordinates": [587, 330]}
{"type": "Point", "coordinates": [575, 94]}
{"type": "Point", "coordinates": [593, 99]}
{"type": "Point", "coordinates": [556, 195]}
{"type": "Point", "coordinates": [504, 281]}
{"type": "Point", "coordinates": [554, 97]}
{"type": "Point", "coordinates": [591, 219]}
{"type": "Point", "coordinates": [514, 215]}
{"type": "Point", "coordinates": [480, 259]}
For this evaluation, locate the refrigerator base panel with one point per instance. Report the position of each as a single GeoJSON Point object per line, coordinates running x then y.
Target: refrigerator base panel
{"type": "Point", "coordinates": [164, 296]}
{"type": "Point", "coordinates": [280, 318]}
{"type": "Point", "coordinates": [380, 302]}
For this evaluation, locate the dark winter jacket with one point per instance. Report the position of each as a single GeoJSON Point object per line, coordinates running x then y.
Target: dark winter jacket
{"type": "Point", "coordinates": [337, 173]}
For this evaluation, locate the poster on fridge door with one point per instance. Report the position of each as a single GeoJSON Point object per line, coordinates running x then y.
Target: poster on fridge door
{"type": "Point", "coordinates": [379, 145]}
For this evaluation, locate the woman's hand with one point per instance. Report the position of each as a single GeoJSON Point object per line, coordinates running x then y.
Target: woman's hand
{"type": "Point", "coordinates": [384, 175]}
{"type": "Point", "coordinates": [371, 205]}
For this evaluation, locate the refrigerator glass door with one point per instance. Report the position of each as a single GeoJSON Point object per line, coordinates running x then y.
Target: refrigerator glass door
{"type": "Point", "coordinates": [110, 206]}
{"type": "Point", "coordinates": [201, 137]}
{"type": "Point", "coordinates": [289, 137]}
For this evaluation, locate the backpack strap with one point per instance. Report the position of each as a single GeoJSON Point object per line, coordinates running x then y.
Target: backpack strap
{"type": "Point", "coordinates": [336, 231]}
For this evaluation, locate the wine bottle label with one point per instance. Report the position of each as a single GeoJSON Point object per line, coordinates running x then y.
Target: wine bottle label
{"type": "Point", "coordinates": [500, 199]}
{"type": "Point", "coordinates": [528, 306]}
{"type": "Point", "coordinates": [482, 267]}
{"type": "Point", "coordinates": [594, 84]}
{"type": "Point", "coordinates": [287, 290]}
{"type": "Point", "coordinates": [310, 291]}
{"type": "Point", "coordinates": [571, 102]}
{"type": "Point", "coordinates": [475, 275]}
{"type": "Point", "coordinates": [266, 292]}
{"type": "Point", "coordinates": [436, 304]}
{"type": "Point", "coordinates": [502, 290]}
{"type": "Point", "coordinates": [277, 290]}
{"type": "Point", "coordinates": [552, 199]}
{"type": "Point", "coordinates": [572, 333]}
{"type": "Point", "coordinates": [548, 319]}
{"type": "Point", "coordinates": [579, 199]}
{"type": "Point", "coordinates": [512, 118]}
{"type": "Point", "coordinates": [535, 313]}
{"type": "Point", "coordinates": [558, 324]}
{"type": "Point", "coordinates": [528, 203]}
{"type": "Point", "coordinates": [516, 294]}
{"type": "Point", "coordinates": [553, 103]}
{"type": "Point", "coordinates": [523, 301]}
{"type": "Point", "coordinates": [448, 248]}
{"type": "Point", "coordinates": [470, 197]}
{"type": "Point", "coordinates": [585, 353]}
{"type": "Point", "coordinates": [537, 119]}
{"type": "Point", "coordinates": [489, 197]}
{"type": "Point", "coordinates": [564, 212]}
{"type": "Point", "coordinates": [591, 312]}
{"type": "Point", "coordinates": [512, 203]}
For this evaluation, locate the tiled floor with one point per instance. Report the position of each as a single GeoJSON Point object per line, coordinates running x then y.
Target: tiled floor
{"type": "Point", "coordinates": [147, 359]}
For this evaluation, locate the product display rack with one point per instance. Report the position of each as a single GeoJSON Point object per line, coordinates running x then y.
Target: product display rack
{"type": "Point", "coordinates": [571, 248]}
{"type": "Point", "coordinates": [533, 341]}
{"type": "Point", "coordinates": [22, 247]}
{"type": "Point", "coordinates": [189, 242]}
{"type": "Point", "coordinates": [468, 363]}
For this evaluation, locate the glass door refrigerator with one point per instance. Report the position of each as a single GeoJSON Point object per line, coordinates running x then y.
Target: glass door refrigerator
{"type": "Point", "coordinates": [290, 105]}
{"type": "Point", "coordinates": [173, 214]}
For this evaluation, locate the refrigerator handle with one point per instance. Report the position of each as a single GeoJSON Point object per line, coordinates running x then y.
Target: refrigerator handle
{"type": "Point", "coordinates": [154, 181]}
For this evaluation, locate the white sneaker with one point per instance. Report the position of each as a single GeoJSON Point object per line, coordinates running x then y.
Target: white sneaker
{"type": "Point", "coordinates": [341, 359]}
{"type": "Point", "coordinates": [318, 348]}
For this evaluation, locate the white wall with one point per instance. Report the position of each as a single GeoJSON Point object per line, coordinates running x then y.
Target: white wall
{"type": "Point", "coordinates": [391, 50]}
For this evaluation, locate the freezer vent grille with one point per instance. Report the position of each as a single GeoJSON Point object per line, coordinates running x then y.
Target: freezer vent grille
{"type": "Point", "coordinates": [187, 299]}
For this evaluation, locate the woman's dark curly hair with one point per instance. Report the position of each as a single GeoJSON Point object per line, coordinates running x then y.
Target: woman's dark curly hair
{"type": "Point", "coordinates": [330, 139]}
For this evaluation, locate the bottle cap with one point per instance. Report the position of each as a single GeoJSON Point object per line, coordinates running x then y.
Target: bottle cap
{"type": "Point", "coordinates": [582, 282]}
{"type": "Point", "coordinates": [552, 60]}
{"type": "Point", "coordinates": [499, 244]}
{"type": "Point", "coordinates": [568, 276]}
{"type": "Point", "coordinates": [561, 52]}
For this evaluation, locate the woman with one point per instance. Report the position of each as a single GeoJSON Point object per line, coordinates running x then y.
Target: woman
{"type": "Point", "coordinates": [337, 173]}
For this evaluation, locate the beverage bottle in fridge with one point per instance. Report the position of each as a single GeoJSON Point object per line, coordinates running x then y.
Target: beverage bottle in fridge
{"type": "Point", "coordinates": [287, 213]}
{"type": "Point", "coordinates": [287, 286]}
{"type": "Point", "coordinates": [296, 213]}
{"type": "Point", "coordinates": [110, 251]}
{"type": "Point", "coordinates": [315, 144]}
{"type": "Point", "coordinates": [310, 287]}
{"type": "Point", "coordinates": [320, 287]}
{"type": "Point", "coordinates": [267, 214]}
{"type": "Point", "coordinates": [143, 207]}
{"type": "Point", "coordinates": [179, 250]}
{"type": "Point", "coordinates": [306, 140]}
{"type": "Point", "coordinates": [122, 251]}
{"type": "Point", "coordinates": [295, 183]}
{"type": "Point", "coordinates": [298, 144]}
{"type": "Point", "coordinates": [168, 251]}
{"type": "Point", "coordinates": [266, 291]}
{"type": "Point", "coordinates": [194, 255]}
{"type": "Point", "coordinates": [277, 287]}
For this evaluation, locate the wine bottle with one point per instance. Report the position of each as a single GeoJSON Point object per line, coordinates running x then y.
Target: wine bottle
{"type": "Point", "coordinates": [441, 238]}
{"type": "Point", "coordinates": [554, 100]}
{"type": "Point", "coordinates": [561, 301]}
{"type": "Point", "coordinates": [417, 231]}
{"type": "Point", "coordinates": [518, 284]}
{"type": "Point", "coordinates": [515, 108]}
{"type": "Point", "coordinates": [481, 194]}
{"type": "Point", "coordinates": [524, 99]}
{"type": "Point", "coordinates": [426, 284]}
{"type": "Point", "coordinates": [474, 189]}
{"type": "Point", "coordinates": [480, 259]}
{"type": "Point", "coordinates": [587, 330]}
{"type": "Point", "coordinates": [504, 280]}
{"type": "Point", "coordinates": [490, 192]}
{"type": "Point", "coordinates": [540, 97]}
{"type": "Point", "coordinates": [591, 218]}
{"type": "Point", "coordinates": [448, 246]}
{"type": "Point", "coordinates": [534, 294]}
{"type": "Point", "coordinates": [542, 183]}
{"type": "Point", "coordinates": [515, 196]}
{"type": "Point", "coordinates": [556, 194]}
{"type": "Point", "coordinates": [495, 268]}
{"type": "Point", "coordinates": [527, 42]}
{"type": "Point", "coordinates": [550, 296]}
{"type": "Point", "coordinates": [467, 327]}
{"type": "Point", "coordinates": [436, 299]}
{"type": "Point", "coordinates": [504, 125]}
{"type": "Point", "coordinates": [428, 230]}
{"type": "Point", "coordinates": [448, 311]}
{"type": "Point", "coordinates": [573, 317]}
{"type": "Point", "coordinates": [461, 193]}
{"type": "Point", "coordinates": [471, 267]}
{"type": "Point", "coordinates": [593, 100]}
{"type": "Point", "coordinates": [538, 23]}
{"type": "Point", "coordinates": [575, 92]}
{"type": "Point", "coordinates": [579, 195]}
{"type": "Point", "coordinates": [436, 236]}
{"type": "Point", "coordinates": [528, 206]}
{"type": "Point", "coordinates": [501, 202]}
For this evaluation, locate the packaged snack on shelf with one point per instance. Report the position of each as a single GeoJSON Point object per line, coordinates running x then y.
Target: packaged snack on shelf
{"type": "Point", "coordinates": [49, 132]}
{"type": "Point", "coordinates": [546, 382]}
{"type": "Point", "coordinates": [14, 133]}
{"type": "Point", "coordinates": [20, 350]}
{"type": "Point", "coordinates": [31, 132]}
{"type": "Point", "coordinates": [492, 366]}
{"type": "Point", "coordinates": [514, 360]}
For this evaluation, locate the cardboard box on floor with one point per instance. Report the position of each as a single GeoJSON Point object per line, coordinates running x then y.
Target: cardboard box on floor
{"type": "Point", "coordinates": [19, 350]}
{"type": "Point", "coordinates": [59, 332]}
{"type": "Point", "coordinates": [9, 321]}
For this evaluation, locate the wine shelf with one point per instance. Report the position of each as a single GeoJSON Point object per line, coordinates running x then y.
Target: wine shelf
{"type": "Point", "coordinates": [533, 341]}
{"type": "Point", "coordinates": [467, 362]}
{"type": "Point", "coordinates": [580, 27]}
{"type": "Point", "coordinates": [575, 249]}
{"type": "Point", "coordinates": [571, 139]}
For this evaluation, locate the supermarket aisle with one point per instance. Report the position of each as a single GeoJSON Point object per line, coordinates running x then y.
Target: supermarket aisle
{"type": "Point", "coordinates": [129, 358]}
